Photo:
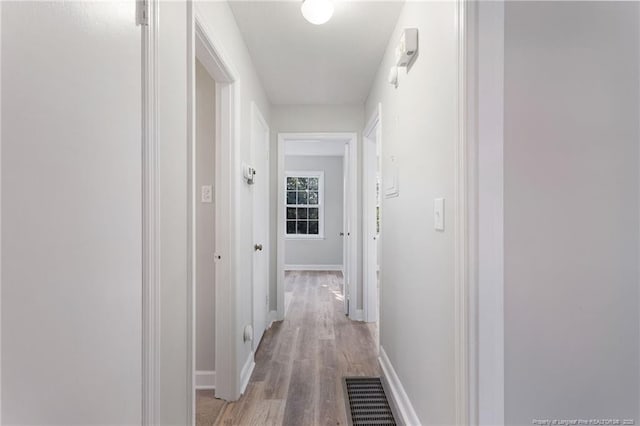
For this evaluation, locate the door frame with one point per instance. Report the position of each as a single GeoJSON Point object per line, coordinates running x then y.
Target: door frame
{"type": "Point", "coordinates": [370, 294]}
{"type": "Point", "coordinates": [201, 44]}
{"type": "Point", "coordinates": [150, 222]}
{"type": "Point", "coordinates": [1, 212]}
{"type": "Point", "coordinates": [351, 140]}
{"type": "Point", "coordinates": [257, 118]}
{"type": "Point", "coordinates": [482, 119]}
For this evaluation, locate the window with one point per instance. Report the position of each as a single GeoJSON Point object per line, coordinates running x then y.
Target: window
{"type": "Point", "coordinates": [304, 204]}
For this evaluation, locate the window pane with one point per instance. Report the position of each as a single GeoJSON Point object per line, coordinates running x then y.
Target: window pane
{"type": "Point", "coordinates": [302, 213]}
{"type": "Point", "coordinates": [313, 227]}
{"type": "Point", "coordinates": [291, 183]}
{"type": "Point", "coordinates": [291, 213]}
{"type": "Point", "coordinates": [303, 197]}
{"type": "Point", "coordinates": [314, 213]}
{"type": "Point", "coordinates": [302, 227]}
{"type": "Point", "coordinates": [291, 227]}
{"type": "Point", "coordinates": [303, 183]}
{"type": "Point", "coordinates": [291, 197]}
{"type": "Point", "coordinates": [313, 183]}
{"type": "Point", "coordinates": [313, 197]}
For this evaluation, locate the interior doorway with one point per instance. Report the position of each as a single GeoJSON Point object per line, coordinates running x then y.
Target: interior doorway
{"type": "Point", "coordinates": [204, 229]}
{"type": "Point", "coordinates": [317, 219]}
{"type": "Point", "coordinates": [215, 192]}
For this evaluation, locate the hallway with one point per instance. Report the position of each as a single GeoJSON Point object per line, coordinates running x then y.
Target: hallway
{"type": "Point", "coordinates": [301, 360]}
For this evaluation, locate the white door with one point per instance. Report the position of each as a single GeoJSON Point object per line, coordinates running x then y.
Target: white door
{"type": "Point", "coordinates": [71, 213]}
{"type": "Point", "coordinates": [346, 267]}
{"type": "Point", "coordinates": [260, 158]}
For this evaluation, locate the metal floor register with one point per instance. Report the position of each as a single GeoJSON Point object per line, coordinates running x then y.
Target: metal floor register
{"type": "Point", "coordinates": [367, 404]}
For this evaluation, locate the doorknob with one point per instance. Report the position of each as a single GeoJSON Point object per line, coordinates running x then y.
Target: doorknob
{"type": "Point", "coordinates": [342, 234]}
{"type": "Point", "coordinates": [257, 247]}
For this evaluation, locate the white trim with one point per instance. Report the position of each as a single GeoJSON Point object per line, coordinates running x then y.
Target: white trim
{"type": "Point", "coordinates": [357, 315]}
{"type": "Point", "coordinates": [351, 142]}
{"type": "Point", "coordinates": [399, 397]}
{"type": "Point", "coordinates": [472, 174]}
{"type": "Point", "coordinates": [313, 267]}
{"type": "Point", "coordinates": [206, 47]}
{"type": "Point", "coordinates": [191, 219]}
{"type": "Point", "coordinates": [303, 237]}
{"type": "Point", "coordinates": [1, 215]}
{"type": "Point", "coordinates": [461, 235]}
{"type": "Point", "coordinates": [489, 140]}
{"type": "Point", "coordinates": [151, 258]}
{"type": "Point", "coordinates": [247, 370]}
{"type": "Point", "coordinates": [370, 293]}
{"type": "Point", "coordinates": [272, 316]}
{"type": "Point", "coordinates": [205, 380]}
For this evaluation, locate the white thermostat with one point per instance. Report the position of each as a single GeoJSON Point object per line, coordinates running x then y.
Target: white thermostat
{"type": "Point", "coordinates": [407, 48]}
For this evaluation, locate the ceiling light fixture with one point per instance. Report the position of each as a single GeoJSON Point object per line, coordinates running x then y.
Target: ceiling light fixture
{"type": "Point", "coordinates": [317, 12]}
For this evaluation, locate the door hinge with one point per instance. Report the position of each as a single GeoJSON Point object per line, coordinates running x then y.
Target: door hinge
{"type": "Point", "coordinates": [142, 12]}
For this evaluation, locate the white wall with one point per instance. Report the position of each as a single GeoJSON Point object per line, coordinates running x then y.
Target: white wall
{"type": "Point", "coordinates": [71, 211]}
{"type": "Point", "coordinates": [571, 210]}
{"type": "Point", "coordinates": [419, 128]}
{"type": "Point", "coordinates": [328, 250]}
{"type": "Point", "coordinates": [220, 20]}
{"type": "Point", "coordinates": [310, 118]}
{"type": "Point", "coordinates": [205, 221]}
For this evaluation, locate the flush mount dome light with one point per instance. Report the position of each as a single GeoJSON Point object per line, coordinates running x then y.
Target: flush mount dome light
{"type": "Point", "coordinates": [317, 12]}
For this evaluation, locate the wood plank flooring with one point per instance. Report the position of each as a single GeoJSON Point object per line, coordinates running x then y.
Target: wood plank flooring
{"type": "Point", "coordinates": [300, 362]}
{"type": "Point", "coordinates": [208, 408]}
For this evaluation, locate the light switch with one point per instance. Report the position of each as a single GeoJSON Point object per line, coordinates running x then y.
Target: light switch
{"type": "Point", "coordinates": [438, 214]}
{"type": "Point", "coordinates": [206, 195]}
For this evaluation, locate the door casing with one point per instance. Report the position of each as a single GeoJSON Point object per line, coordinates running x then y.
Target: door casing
{"type": "Point", "coordinates": [372, 138]}
{"type": "Point", "coordinates": [351, 211]}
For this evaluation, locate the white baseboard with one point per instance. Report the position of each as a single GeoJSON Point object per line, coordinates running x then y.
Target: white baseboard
{"type": "Point", "coordinates": [357, 315]}
{"type": "Point", "coordinates": [399, 397]}
{"type": "Point", "coordinates": [271, 317]}
{"type": "Point", "coordinates": [205, 379]}
{"type": "Point", "coordinates": [246, 372]}
{"type": "Point", "coordinates": [313, 267]}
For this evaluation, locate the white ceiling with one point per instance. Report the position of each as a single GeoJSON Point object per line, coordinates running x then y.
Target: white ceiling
{"type": "Point", "coordinates": [303, 64]}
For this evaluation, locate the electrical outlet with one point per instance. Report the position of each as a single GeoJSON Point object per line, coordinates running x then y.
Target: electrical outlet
{"type": "Point", "coordinates": [206, 195]}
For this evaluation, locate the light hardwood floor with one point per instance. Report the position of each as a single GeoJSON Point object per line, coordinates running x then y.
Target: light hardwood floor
{"type": "Point", "coordinates": [301, 360]}
{"type": "Point", "coordinates": [208, 408]}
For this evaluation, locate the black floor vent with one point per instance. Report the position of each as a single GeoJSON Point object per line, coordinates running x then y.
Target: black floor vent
{"type": "Point", "coordinates": [367, 403]}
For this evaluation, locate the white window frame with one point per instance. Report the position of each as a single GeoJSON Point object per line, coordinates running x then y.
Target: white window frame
{"type": "Point", "coordinates": [320, 205]}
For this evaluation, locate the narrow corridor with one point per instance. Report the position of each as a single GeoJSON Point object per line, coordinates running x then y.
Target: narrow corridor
{"type": "Point", "coordinates": [301, 360]}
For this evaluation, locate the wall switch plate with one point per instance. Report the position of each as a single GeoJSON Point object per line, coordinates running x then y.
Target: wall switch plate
{"type": "Point", "coordinates": [438, 214]}
{"type": "Point", "coordinates": [206, 194]}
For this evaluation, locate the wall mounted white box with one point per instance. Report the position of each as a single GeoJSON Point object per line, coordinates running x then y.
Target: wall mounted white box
{"type": "Point", "coordinates": [438, 214]}
{"type": "Point", "coordinates": [407, 48]}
